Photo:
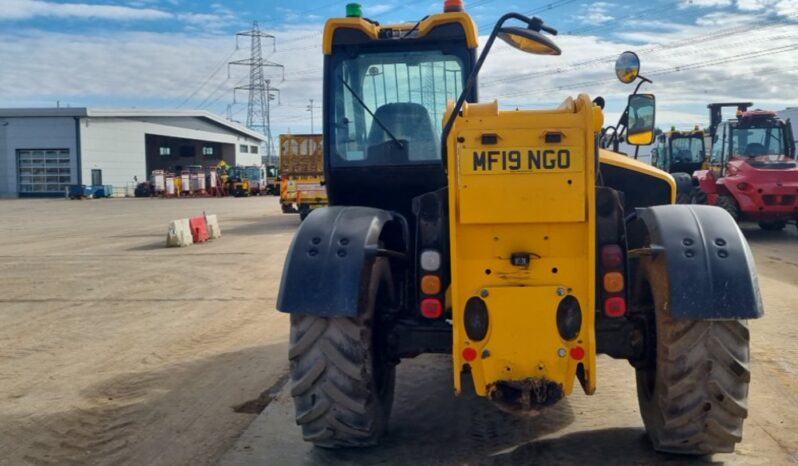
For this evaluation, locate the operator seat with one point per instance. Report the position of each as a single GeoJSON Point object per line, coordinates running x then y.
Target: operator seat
{"type": "Point", "coordinates": [409, 122]}
{"type": "Point", "coordinates": [754, 149]}
{"type": "Point", "coordinates": [684, 155]}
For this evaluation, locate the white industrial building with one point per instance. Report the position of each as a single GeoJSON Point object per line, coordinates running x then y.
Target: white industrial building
{"type": "Point", "coordinates": [790, 113]}
{"type": "Point", "coordinates": [44, 150]}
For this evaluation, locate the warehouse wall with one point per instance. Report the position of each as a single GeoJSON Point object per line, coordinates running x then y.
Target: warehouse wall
{"type": "Point", "coordinates": [115, 146]}
{"type": "Point", "coordinates": [33, 133]}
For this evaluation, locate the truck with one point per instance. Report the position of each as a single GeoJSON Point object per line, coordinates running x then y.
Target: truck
{"type": "Point", "coordinates": [506, 239]}
{"type": "Point", "coordinates": [752, 172]}
{"type": "Point", "coordinates": [302, 186]}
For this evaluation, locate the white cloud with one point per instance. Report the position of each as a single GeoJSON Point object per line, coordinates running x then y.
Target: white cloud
{"type": "Point", "coordinates": [139, 10]}
{"type": "Point", "coordinates": [378, 9]}
{"type": "Point", "coordinates": [597, 13]}
{"type": "Point", "coordinates": [705, 3]}
{"type": "Point", "coordinates": [723, 19]}
{"type": "Point", "coordinates": [118, 66]}
{"type": "Point", "coordinates": [27, 9]}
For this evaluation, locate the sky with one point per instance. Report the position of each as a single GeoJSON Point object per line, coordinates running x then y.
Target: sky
{"type": "Point", "coordinates": [174, 53]}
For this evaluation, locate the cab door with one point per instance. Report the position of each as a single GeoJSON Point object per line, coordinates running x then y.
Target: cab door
{"type": "Point", "coordinates": [720, 151]}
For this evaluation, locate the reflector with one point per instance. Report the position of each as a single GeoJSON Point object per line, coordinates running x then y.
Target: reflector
{"type": "Point", "coordinates": [469, 353]}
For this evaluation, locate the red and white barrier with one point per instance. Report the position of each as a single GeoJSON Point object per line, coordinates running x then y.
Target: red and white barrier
{"type": "Point", "coordinates": [187, 231]}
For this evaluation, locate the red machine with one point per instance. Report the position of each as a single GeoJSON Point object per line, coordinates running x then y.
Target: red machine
{"type": "Point", "coordinates": [751, 171]}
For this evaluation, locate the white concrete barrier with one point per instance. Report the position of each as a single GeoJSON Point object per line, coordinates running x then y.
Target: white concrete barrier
{"type": "Point", "coordinates": [179, 234]}
{"type": "Point", "coordinates": [214, 231]}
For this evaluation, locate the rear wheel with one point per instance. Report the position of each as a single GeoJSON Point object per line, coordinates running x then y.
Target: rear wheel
{"type": "Point", "coordinates": [697, 196]}
{"type": "Point", "coordinates": [684, 184]}
{"type": "Point", "coordinates": [728, 204]}
{"type": "Point", "coordinates": [777, 225]}
{"type": "Point", "coordinates": [341, 385]}
{"type": "Point", "coordinates": [304, 211]}
{"type": "Point", "coordinates": [693, 394]}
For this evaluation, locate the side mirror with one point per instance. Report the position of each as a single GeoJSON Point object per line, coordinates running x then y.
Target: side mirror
{"type": "Point", "coordinates": [627, 67]}
{"type": "Point", "coordinates": [641, 112]}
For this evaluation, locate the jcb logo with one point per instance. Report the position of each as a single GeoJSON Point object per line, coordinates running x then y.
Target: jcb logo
{"type": "Point", "coordinates": [522, 160]}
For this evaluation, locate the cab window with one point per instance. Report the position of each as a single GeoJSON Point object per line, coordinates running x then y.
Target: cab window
{"type": "Point", "coordinates": [389, 107]}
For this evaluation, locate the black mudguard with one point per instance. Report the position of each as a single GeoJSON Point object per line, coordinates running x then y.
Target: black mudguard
{"type": "Point", "coordinates": [710, 268]}
{"type": "Point", "coordinates": [330, 260]}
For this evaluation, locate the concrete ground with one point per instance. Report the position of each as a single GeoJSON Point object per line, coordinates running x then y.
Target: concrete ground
{"type": "Point", "coordinates": [115, 350]}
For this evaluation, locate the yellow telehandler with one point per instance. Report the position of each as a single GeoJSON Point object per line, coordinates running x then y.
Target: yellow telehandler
{"type": "Point", "coordinates": [508, 239]}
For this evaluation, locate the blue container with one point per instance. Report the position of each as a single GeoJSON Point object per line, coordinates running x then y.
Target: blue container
{"type": "Point", "coordinates": [99, 190]}
{"type": "Point", "coordinates": [78, 191]}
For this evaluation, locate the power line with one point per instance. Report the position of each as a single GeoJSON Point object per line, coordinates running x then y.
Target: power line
{"type": "Point", "coordinates": [689, 41]}
{"type": "Point", "coordinates": [664, 71]}
{"type": "Point", "coordinates": [210, 76]}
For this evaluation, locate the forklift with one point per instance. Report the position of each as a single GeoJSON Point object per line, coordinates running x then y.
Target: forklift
{"type": "Point", "coordinates": [752, 172]}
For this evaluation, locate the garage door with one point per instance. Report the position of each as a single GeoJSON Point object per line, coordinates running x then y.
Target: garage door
{"type": "Point", "coordinates": [43, 171]}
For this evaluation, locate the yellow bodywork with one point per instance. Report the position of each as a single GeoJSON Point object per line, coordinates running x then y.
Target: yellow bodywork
{"type": "Point", "coordinates": [623, 161]}
{"type": "Point", "coordinates": [372, 31]}
{"type": "Point", "coordinates": [523, 194]}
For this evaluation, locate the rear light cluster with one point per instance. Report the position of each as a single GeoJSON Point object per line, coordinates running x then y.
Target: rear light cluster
{"type": "Point", "coordinates": [431, 305]}
{"type": "Point", "coordinates": [612, 280]}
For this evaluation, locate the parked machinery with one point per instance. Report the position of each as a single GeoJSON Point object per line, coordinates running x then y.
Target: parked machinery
{"type": "Point", "coordinates": [272, 180]}
{"type": "Point", "coordinates": [752, 172]}
{"type": "Point", "coordinates": [256, 174]}
{"type": "Point", "coordinates": [680, 153]}
{"type": "Point", "coordinates": [237, 183]}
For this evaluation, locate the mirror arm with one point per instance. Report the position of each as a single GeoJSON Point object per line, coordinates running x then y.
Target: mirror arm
{"type": "Point", "coordinates": [642, 80]}
{"type": "Point", "coordinates": [533, 23]}
{"type": "Point", "coordinates": [472, 78]}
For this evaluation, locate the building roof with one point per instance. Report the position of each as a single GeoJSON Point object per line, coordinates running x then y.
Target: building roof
{"type": "Point", "coordinates": [128, 113]}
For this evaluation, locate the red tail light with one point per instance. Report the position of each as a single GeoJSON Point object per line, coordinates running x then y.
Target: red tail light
{"type": "Point", "coordinates": [611, 256]}
{"type": "Point", "coordinates": [615, 306]}
{"type": "Point", "coordinates": [431, 308]}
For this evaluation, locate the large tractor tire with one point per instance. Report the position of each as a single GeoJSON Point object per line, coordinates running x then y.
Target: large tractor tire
{"type": "Point", "coordinates": [684, 185]}
{"type": "Point", "coordinates": [776, 225]}
{"type": "Point", "coordinates": [698, 196]}
{"type": "Point", "coordinates": [693, 394]}
{"type": "Point", "coordinates": [729, 205]}
{"type": "Point", "coordinates": [342, 387]}
{"type": "Point", "coordinates": [304, 211]}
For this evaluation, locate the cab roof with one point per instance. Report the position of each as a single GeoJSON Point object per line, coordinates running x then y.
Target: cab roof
{"type": "Point", "coordinates": [353, 31]}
